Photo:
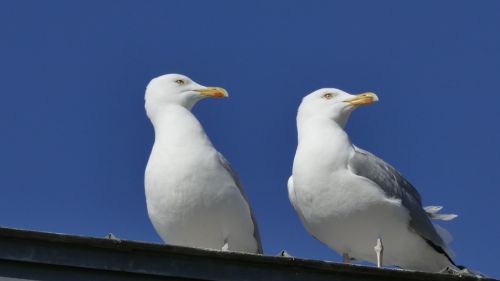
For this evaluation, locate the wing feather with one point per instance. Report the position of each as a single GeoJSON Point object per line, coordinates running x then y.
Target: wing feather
{"type": "Point", "coordinates": [394, 185]}
{"type": "Point", "coordinates": [236, 179]}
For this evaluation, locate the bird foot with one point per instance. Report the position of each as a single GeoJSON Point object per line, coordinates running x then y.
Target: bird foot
{"type": "Point", "coordinates": [462, 271]}
{"type": "Point", "coordinates": [345, 258]}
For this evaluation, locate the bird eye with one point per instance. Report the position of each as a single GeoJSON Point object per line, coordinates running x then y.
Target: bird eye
{"type": "Point", "coordinates": [180, 82]}
{"type": "Point", "coordinates": [328, 96]}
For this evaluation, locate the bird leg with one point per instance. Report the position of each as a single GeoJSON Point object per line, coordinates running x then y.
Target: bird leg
{"type": "Point", "coordinates": [379, 250]}
{"type": "Point", "coordinates": [345, 258]}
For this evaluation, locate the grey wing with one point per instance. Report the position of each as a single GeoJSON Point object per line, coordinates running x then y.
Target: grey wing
{"type": "Point", "coordinates": [236, 179]}
{"type": "Point", "coordinates": [367, 165]}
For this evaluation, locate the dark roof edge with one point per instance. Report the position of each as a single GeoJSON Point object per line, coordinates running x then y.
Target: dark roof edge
{"type": "Point", "coordinates": [166, 260]}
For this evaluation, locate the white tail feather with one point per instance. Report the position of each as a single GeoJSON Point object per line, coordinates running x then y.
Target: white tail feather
{"type": "Point", "coordinates": [447, 238]}
{"type": "Point", "coordinates": [432, 212]}
{"type": "Point", "coordinates": [433, 209]}
{"type": "Point", "coordinates": [445, 234]}
{"type": "Point", "coordinates": [443, 217]}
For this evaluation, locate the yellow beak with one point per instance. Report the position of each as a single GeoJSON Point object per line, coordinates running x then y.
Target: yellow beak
{"type": "Point", "coordinates": [361, 99]}
{"type": "Point", "coordinates": [214, 92]}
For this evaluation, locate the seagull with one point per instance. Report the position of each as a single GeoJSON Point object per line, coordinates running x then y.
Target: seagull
{"type": "Point", "coordinates": [194, 197]}
{"type": "Point", "coordinates": [353, 201]}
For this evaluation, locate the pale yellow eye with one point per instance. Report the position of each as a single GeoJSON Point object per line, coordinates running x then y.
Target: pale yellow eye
{"type": "Point", "coordinates": [328, 96]}
{"type": "Point", "coordinates": [180, 82]}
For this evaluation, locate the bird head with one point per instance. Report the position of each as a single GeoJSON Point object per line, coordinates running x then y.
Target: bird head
{"type": "Point", "coordinates": [179, 90]}
{"type": "Point", "coordinates": [333, 104]}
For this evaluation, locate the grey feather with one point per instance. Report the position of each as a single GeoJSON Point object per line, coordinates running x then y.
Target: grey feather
{"type": "Point", "coordinates": [236, 179]}
{"type": "Point", "coordinates": [394, 185]}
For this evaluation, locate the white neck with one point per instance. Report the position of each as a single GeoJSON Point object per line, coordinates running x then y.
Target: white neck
{"type": "Point", "coordinates": [323, 144]}
{"type": "Point", "coordinates": [177, 129]}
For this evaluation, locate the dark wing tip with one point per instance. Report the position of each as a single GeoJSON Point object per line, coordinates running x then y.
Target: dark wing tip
{"type": "Point", "coordinates": [439, 249]}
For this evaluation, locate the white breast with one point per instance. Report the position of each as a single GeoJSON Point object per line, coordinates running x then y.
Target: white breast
{"type": "Point", "coordinates": [192, 200]}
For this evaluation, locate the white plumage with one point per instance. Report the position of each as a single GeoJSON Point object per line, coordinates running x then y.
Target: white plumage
{"type": "Point", "coordinates": [348, 198]}
{"type": "Point", "coordinates": [193, 196]}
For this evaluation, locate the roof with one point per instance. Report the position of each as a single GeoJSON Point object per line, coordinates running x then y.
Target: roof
{"type": "Point", "coordinates": [33, 255]}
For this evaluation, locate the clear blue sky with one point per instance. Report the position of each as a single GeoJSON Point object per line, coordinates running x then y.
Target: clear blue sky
{"type": "Point", "coordinates": [75, 138]}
